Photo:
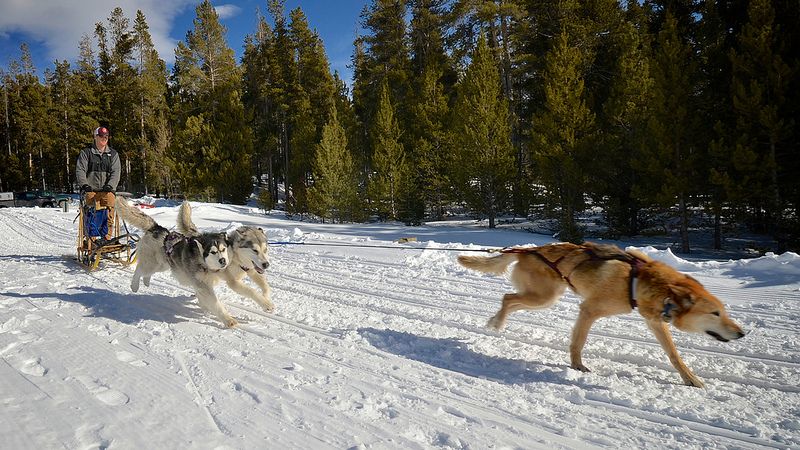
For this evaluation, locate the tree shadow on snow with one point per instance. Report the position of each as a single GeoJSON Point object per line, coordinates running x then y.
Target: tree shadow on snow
{"type": "Point", "coordinates": [126, 308]}
{"type": "Point", "coordinates": [453, 355]}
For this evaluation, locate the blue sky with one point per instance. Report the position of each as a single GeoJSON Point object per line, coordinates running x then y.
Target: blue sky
{"type": "Point", "coordinates": [53, 28]}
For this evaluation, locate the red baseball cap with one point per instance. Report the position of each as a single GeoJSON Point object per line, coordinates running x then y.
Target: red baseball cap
{"type": "Point", "coordinates": [101, 131]}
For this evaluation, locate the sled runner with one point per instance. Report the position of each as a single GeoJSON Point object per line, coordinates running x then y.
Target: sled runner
{"type": "Point", "coordinates": [94, 241]}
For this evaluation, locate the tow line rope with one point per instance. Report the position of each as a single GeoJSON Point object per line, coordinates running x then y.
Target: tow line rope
{"type": "Point", "coordinates": [395, 247]}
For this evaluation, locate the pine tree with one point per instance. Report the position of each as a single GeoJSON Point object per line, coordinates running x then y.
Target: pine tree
{"type": "Point", "coordinates": [563, 132]}
{"type": "Point", "coordinates": [481, 137]}
{"type": "Point", "coordinates": [31, 129]}
{"type": "Point", "coordinates": [759, 89]}
{"type": "Point", "coordinates": [433, 77]}
{"type": "Point", "coordinates": [334, 192]}
{"type": "Point", "coordinates": [671, 153]}
{"type": "Point", "coordinates": [260, 78]}
{"type": "Point", "coordinates": [623, 118]}
{"type": "Point", "coordinates": [312, 100]}
{"type": "Point", "coordinates": [213, 147]}
{"type": "Point", "coordinates": [283, 91]}
{"type": "Point", "coordinates": [152, 107]}
{"type": "Point", "coordinates": [431, 152]}
{"type": "Point", "coordinates": [389, 181]}
{"type": "Point", "coordinates": [62, 95]}
{"type": "Point", "coordinates": [382, 55]}
{"type": "Point", "coordinates": [86, 104]}
{"type": "Point", "coordinates": [121, 99]}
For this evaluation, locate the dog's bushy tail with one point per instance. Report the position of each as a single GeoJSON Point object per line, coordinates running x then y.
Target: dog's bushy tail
{"type": "Point", "coordinates": [488, 264]}
{"type": "Point", "coordinates": [185, 224]}
{"type": "Point", "coordinates": [133, 215]}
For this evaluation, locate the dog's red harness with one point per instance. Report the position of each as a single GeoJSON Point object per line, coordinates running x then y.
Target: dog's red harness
{"type": "Point", "coordinates": [634, 262]}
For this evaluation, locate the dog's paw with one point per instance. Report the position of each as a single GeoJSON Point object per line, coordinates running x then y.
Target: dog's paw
{"type": "Point", "coordinates": [230, 322]}
{"type": "Point", "coordinates": [692, 380]}
{"type": "Point", "coordinates": [581, 367]}
{"type": "Point", "coordinates": [146, 281]}
{"type": "Point", "coordinates": [495, 324]}
{"type": "Point", "coordinates": [266, 304]}
{"type": "Point", "coordinates": [135, 286]}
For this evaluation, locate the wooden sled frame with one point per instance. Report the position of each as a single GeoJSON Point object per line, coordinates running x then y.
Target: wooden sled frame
{"type": "Point", "coordinates": [121, 249]}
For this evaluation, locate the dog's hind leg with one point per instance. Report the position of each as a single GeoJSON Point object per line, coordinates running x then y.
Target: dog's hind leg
{"type": "Point", "coordinates": [209, 301]}
{"type": "Point", "coordinates": [520, 301]}
{"type": "Point", "coordinates": [137, 276]}
{"type": "Point", "coordinates": [664, 337]}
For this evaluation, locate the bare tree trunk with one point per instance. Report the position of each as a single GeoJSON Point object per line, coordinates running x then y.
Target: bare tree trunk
{"type": "Point", "coordinates": [67, 164]}
{"type": "Point", "coordinates": [684, 212]}
{"type": "Point", "coordinates": [8, 125]}
{"type": "Point", "coordinates": [717, 227]}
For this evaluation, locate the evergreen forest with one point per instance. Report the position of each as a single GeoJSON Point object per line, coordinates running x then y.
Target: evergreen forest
{"type": "Point", "coordinates": [649, 112]}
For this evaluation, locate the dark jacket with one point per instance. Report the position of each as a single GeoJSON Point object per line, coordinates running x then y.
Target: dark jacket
{"type": "Point", "coordinates": [98, 169]}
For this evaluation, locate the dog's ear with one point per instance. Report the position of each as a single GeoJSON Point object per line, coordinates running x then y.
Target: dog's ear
{"type": "Point", "coordinates": [199, 246]}
{"type": "Point", "coordinates": [678, 301]}
{"type": "Point", "coordinates": [680, 296]}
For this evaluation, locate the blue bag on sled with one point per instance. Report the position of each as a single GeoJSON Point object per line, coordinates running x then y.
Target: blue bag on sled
{"type": "Point", "coordinates": [96, 222]}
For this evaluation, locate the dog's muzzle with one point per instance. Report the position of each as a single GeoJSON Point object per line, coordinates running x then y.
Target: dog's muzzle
{"type": "Point", "coordinates": [720, 338]}
{"type": "Point", "coordinates": [260, 268]}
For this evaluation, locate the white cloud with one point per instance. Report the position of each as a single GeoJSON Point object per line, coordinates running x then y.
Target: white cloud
{"type": "Point", "coordinates": [59, 24]}
{"type": "Point", "coordinates": [227, 11]}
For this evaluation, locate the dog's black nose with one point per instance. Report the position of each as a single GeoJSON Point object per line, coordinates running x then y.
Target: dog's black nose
{"type": "Point", "coordinates": [265, 265]}
{"type": "Point", "coordinates": [739, 335]}
{"type": "Point", "coordinates": [222, 261]}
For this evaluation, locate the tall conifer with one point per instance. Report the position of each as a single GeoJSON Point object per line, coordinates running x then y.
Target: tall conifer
{"type": "Point", "coordinates": [562, 133]}
{"type": "Point", "coordinates": [481, 137]}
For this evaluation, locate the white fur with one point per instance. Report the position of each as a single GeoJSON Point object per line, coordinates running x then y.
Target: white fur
{"type": "Point", "coordinates": [200, 275]}
{"type": "Point", "coordinates": [254, 258]}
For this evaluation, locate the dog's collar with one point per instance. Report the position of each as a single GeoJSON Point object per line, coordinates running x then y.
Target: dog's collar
{"type": "Point", "coordinates": [635, 263]}
{"type": "Point", "coordinates": [668, 307]}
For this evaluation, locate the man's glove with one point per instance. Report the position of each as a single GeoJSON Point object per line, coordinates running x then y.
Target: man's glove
{"type": "Point", "coordinates": [108, 188]}
{"type": "Point", "coordinates": [86, 188]}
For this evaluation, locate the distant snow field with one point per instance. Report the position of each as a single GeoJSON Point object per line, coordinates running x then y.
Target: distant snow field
{"type": "Point", "coordinates": [372, 349]}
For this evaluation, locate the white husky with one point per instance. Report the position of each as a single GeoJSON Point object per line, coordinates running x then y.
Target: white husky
{"type": "Point", "coordinates": [249, 257]}
{"type": "Point", "coordinates": [195, 261]}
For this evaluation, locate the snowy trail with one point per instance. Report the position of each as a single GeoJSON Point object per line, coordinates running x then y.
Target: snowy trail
{"type": "Point", "coordinates": [368, 348]}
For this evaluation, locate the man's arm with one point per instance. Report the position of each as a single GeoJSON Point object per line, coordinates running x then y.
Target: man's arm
{"type": "Point", "coordinates": [114, 174]}
{"type": "Point", "coordinates": [81, 167]}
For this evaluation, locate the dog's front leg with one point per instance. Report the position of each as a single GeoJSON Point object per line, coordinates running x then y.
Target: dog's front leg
{"type": "Point", "coordinates": [579, 334]}
{"type": "Point", "coordinates": [208, 300]}
{"type": "Point", "coordinates": [261, 281]}
{"type": "Point", "coordinates": [661, 331]}
{"type": "Point", "coordinates": [246, 291]}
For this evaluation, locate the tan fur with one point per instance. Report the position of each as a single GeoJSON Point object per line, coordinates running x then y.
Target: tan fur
{"type": "Point", "coordinates": [604, 285]}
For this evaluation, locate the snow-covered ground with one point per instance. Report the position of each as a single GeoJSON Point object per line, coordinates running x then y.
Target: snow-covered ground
{"type": "Point", "coordinates": [371, 348]}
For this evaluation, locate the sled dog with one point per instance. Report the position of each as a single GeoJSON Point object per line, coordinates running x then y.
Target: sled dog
{"type": "Point", "coordinates": [247, 248]}
{"type": "Point", "coordinates": [610, 281]}
{"type": "Point", "coordinates": [194, 261]}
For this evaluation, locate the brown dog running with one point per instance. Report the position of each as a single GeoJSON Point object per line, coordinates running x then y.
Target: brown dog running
{"type": "Point", "coordinates": [611, 281]}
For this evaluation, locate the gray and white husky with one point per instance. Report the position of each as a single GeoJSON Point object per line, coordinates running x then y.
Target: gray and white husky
{"type": "Point", "coordinates": [195, 261]}
{"type": "Point", "coordinates": [247, 248]}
